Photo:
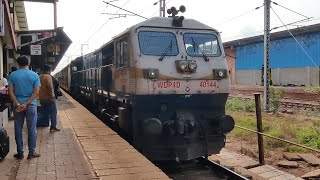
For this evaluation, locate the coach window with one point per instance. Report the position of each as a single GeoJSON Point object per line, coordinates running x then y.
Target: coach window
{"type": "Point", "coordinates": [122, 50]}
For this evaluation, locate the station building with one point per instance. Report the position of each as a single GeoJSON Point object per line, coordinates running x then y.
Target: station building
{"type": "Point", "coordinates": [41, 46]}
{"type": "Point", "coordinates": [292, 63]}
{"type": "Point", "coordinates": [11, 20]}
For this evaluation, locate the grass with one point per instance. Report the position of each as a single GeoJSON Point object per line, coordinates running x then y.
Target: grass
{"type": "Point", "coordinates": [309, 136]}
{"type": "Point", "coordinates": [308, 113]}
{"type": "Point", "coordinates": [305, 131]}
{"type": "Point", "coordinates": [237, 104]}
{"type": "Point", "coordinates": [312, 89]}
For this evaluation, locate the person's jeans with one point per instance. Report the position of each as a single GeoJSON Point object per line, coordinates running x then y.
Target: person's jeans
{"type": "Point", "coordinates": [31, 117]}
{"type": "Point", "coordinates": [49, 110]}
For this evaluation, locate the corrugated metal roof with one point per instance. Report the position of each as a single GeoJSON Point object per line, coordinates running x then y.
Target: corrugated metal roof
{"type": "Point", "coordinates": [21, 16]}
{"type": "Point", "coordinates": [42, 1]}
{"type": "Point", "coordinates": [59, 37]}
{"type": "Point", "coordinates": [274, 36]}
{"type": "Point", "coordinates": [284, 53]}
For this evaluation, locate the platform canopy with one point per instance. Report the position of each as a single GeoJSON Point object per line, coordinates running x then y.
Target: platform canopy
{"type": "Point", "coordinates": [43, 46]}
{"type": "Point", "coordinates": [40, 1]}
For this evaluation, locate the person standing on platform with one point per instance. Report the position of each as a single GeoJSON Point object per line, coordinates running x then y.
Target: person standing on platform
{"type": "Point", "coordinates": [13, 69]}
{"type": "Point", "coordinates": [55, 83]}
{"type": "Point", "coordinates": [23, 89]}
{"type": "Point", "coordinates": [47, 98]}
{"type": "Point", "coordinates": [3, 81]}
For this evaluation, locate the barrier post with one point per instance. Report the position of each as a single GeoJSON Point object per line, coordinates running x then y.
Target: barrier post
{"type": "Point", "coordinates": [259, 128]}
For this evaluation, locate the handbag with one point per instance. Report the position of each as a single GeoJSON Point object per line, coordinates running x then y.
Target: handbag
{"type": "Point", "coordinates": [58, 93]}
{"type": "Point", "coordinates": [4, 143]}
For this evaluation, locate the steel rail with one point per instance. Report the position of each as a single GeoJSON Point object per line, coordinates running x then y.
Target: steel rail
{"type": "Point", "coordinates": [230, 174]}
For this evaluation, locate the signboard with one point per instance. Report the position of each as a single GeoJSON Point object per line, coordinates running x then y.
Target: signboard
{"type": "Point", "coordinates": [53, 48]}
{"type": "Point", "coordinates": [1, 19]}
{"type": "Point", "coordinates": [35, 50]}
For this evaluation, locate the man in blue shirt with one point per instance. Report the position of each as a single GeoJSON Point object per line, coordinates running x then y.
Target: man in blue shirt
{"type": "Point", "coordinates": [23, 89]}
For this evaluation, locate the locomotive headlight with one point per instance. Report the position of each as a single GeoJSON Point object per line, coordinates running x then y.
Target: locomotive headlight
{"type": "Point", "coordinates": [193, 66]}
{"type": "Point", "coordinates": [182, 65]}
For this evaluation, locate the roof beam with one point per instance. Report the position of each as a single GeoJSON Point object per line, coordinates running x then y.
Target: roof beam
{"type": "Point", "coordinates": [40, 1]}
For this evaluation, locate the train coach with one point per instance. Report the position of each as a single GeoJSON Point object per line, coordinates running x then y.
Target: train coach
{"type": "Point", "coordinates": [164, 81]}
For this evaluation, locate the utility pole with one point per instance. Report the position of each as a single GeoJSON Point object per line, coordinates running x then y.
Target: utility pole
{"type": "Point", "coordinates": [162, 8]}
{"type": "Point", "coordinates": [82, 48]}
{"type": "Point", "coordinates": [266, 54]}
{"type": "Point", "coordinates": [55, 14]}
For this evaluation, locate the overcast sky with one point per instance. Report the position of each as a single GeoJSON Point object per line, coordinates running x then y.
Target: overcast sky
{"type": "Point", "coordinates": [84, 22]}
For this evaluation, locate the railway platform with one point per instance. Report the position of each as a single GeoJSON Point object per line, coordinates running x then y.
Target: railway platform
{"type": "Point", "coordinates": [85, 148]}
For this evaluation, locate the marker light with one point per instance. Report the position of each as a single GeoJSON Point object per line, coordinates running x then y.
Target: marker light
{"type": "Point", "coordinates": [152, 73]}
{"type": "Point", "coordinates": [221, 74]}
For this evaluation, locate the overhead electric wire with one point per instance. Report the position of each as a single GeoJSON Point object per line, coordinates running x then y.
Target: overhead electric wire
{"type": "Point", "coordinates": [303, 20]}
{"type": "Point", "coordinates": [91, 26]}
{"type": "Point", "coordinates": [260, 33]}
{"type": "Point", "coordinates": [289, 9]}
{"type": "Point", "coordinates": [95, 33]}
{"type": "Point", "coordinates": [294, 37]}
{"type": "Point", "coordinates": [240, 15]}
{"type": "Point", "coordinates": [159, 9]}
{"type": "Point", "coordinates": [125, 10]}
{"type": "Point", "coordinates": [306, 19]}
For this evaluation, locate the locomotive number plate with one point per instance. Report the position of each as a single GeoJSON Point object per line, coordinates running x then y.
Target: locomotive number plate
{"type": "Point", "coordinates": [167, 84]}
{"type": "Point", "coordinates": [186, 87]}
{"type": "Point", "coordinates": [208, 84]}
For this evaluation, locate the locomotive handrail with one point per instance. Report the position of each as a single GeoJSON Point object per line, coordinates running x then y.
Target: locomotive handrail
{"type": "Point", "coordinates": [107, 65]}
{"type": "Point", "coordinates": [94, 68]}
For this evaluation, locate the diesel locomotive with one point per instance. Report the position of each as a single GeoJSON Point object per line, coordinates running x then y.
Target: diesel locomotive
{"type": "Point", "coordinates": [164, 82]}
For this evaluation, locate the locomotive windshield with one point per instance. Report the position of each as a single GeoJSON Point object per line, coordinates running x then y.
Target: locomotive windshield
{"type": "Point", "coordinates": [199, 44]}
{"type": "Point", "coordinates": [158, 43]}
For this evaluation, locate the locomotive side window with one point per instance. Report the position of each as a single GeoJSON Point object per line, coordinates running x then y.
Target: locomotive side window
{"type": "Point", "coordinates": [197, 44]}
{"type": "Point", "coordinates": [156, 43]}
{"type": "Point", "coordinates": [122, 53]}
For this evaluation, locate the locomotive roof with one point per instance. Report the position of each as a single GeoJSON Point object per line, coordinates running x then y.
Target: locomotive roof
{"type": "Point", "coordinates": [160, 22]}
{"type": "Point", "coordinates": [167, 23]}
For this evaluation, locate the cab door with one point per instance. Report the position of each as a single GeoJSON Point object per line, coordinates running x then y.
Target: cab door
{"type": "Point", "coordinates": [121, 71]}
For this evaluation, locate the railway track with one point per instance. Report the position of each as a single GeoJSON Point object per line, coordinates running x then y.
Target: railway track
{"type": "Point", "coordinates": [290, 93]}
{"type": "Point", "coordinates": [288, 103]}
{"type": "Point", "coordinates": [201, 169]}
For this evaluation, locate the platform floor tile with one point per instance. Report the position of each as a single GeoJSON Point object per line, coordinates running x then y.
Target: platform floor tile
{"type": "Point", "coordinates": [61, 155]}
{"type": "Point", "coordinates": [110, 156]}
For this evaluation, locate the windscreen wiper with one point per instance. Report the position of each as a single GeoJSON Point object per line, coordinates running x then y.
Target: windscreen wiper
{"type": "Point", "coordinates": [169, 48]}
{"type": "Point", "coordinates": [195, 47]}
